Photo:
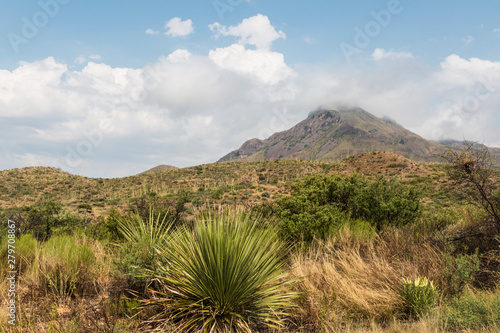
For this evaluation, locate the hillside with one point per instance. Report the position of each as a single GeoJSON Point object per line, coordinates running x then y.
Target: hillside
{"type": "Point", "coordinates": [242, 183]}
{"type": "Point", "coordinates": [330, 135]}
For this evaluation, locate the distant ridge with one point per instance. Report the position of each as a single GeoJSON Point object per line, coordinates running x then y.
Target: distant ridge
{"type": "Point", "coordinates": [456, 144]}
{"type": "Point", "coordinates": [160, 168]}
{"type": "Point", "coordinates": [330, 135]}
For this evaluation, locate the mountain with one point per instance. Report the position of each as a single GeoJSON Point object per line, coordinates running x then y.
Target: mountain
{"type": "Point", "coordinates": [160, 168]}
{"type": "Point", "coordinates": [457, 145]}
{"type": "Point", "coordinates": [329, 135]}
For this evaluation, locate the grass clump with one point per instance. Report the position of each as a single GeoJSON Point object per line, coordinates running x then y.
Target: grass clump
{"type": "Point", "coordinates": [345, 283]}
{"type": "Point", "coordinates": [225, 275]}
{"type": "Point", "coordinates": [420, 296]}
{"type": "Point", "coordinates": [65, 266]}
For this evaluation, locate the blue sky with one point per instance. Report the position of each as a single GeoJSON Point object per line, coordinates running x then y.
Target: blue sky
{"type": "Point", "coordinates": [111, 88]}
{"type": "Point", "coordinates": [115, 29]}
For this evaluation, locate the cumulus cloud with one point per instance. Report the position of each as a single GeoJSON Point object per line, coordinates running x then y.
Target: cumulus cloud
{"type": "Point", "coordinates": [381, 54]}
{"type": "Point", "coordinates": [176, 27]}
{"type": "Point", "coordinates": [455, 100]}
{"type": "Point", "coordinates": [188, 109]}
{"type": "Point", "coordinates": [184, 109]}
{"type": "Point", "coordinates": [268, 67]}
{"type": "Point", "coordinates": [256, 30]}
{"type": "Point", "coordinates": [179, 56]}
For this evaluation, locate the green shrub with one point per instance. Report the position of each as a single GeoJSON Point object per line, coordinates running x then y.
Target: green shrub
{"type": "Point", "coordinates": [460, 271]}
{"type": "Point", "coordinates": [218, 193]}
{"type": "Point", "coordinates": [107, 228]}
{"type": "Point", "coordinates": [473, 310]}
{"type": "Point", "coordinates": [319, 204]}
{"type": "Point", "coordinates": [420, 296]}
{"type": "Point", "coordinates": [226, 275]}
{"type": "Point", "coordinates": [41, 218]}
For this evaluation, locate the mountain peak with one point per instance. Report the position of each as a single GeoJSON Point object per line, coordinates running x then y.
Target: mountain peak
{"type": "Point", "coordinates": [321, 112]}
{"type": "Point", "coordinates": [330, 135]}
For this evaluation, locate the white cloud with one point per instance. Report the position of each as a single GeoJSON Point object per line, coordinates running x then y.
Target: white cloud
{"type": "Point", "coordinates": [152, 32]}
{"type": "Point", "coordinates": [83, 59]}
{"type": "Point", "coordinates": [176, 27]}
{"type": "Point", "coordinates": [458, 99]}
{"type": "Point", "coordinates": [179, 56]}
{"type": "Point", "coordinates": [187, 109]}
{"type": "Point", "coordinates": [381, 54]}
{"type": "Point", "coordinates": [256, 30]}
{"type": "Point", "coordinates": [497, 30]}
{"type": "Point", "coordinates": [268, 67]}
{"type": "Point", "coordinates": [468, 40]}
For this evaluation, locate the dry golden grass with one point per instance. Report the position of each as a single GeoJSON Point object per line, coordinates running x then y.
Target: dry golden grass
{"type": "Point", "coordinates": [349, 282]}
{"type": "Point", "coordinates": [413, 258]}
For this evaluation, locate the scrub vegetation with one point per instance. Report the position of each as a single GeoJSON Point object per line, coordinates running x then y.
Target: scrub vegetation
{"type": "Point", "coordinates": [374, 243]}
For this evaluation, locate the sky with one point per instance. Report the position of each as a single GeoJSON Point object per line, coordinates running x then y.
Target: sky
{"type": "Point", "coordinates": [113, 88]}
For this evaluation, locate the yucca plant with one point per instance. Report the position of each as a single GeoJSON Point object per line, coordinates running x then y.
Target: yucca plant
{"type": "Point", "coordinates": [152, 233]}
{"type": "Point", "coordinates": [225, 275]}
{"type": "Point", "coordinates": [419, 294]}
{"type": "Point", "coordinates": [144, 241]}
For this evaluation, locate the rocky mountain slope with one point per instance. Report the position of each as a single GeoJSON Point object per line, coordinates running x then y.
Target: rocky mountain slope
{"type": "Point", "coordinates": [330, 135]}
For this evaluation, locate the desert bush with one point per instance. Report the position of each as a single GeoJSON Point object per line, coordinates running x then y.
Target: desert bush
{"type": "Point", "coordinates": [319, 204]}
{"type": "Point", "coordinates": [107, 227]}
{"type": "Point", "coordinates": [460, 271]}
{"type": "Point", "coordinates": [473, 310]}
{"type": "Point", "coordinates": [40, 219]}
{"type": "Point", "coordinates": [226, 275]}
{"type": "Point", "coordinates": [420, 296]}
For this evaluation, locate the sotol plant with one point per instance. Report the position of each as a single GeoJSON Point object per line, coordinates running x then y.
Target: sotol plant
{"type": "Point", "coordinates": [226, 275]}
{"type": "Point", "coordinates": [419, 294]}
{"type": "Point", "coordinates": [144, 240]}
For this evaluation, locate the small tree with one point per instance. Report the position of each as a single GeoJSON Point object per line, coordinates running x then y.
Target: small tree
{"type": "Point", "coordinates": [472, 169]}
